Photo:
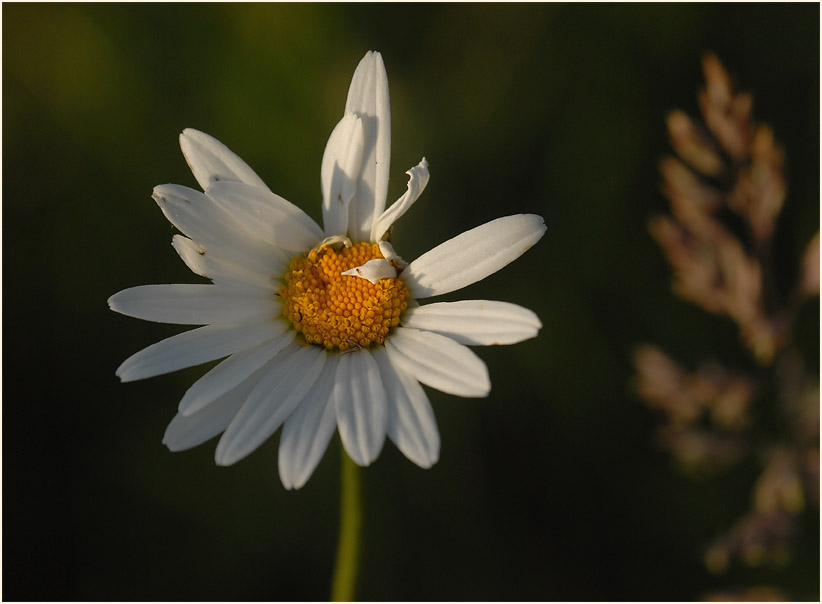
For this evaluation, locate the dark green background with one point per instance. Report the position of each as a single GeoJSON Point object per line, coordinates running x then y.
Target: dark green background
{"type": "Point", "coordinates": [552, 487]}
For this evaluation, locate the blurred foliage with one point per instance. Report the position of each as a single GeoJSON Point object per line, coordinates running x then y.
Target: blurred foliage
{"type": "Point", "coordinates": [553, 486]}
{"type": "Point", "coordinates": [726, 189]}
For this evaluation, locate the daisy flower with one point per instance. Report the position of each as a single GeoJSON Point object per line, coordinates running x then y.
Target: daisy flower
{"type": "Point", "coordinates": [319, 329]}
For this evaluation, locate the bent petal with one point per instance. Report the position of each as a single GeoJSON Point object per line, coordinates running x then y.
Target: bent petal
{"type": "Point", "coordinates": [438, 362]}
{"type": "Point", "coordinates": [187, 304]}
{"type": "Point", "coordinates": [473, 255]}
{"type": "Point", "coordinates": [288, 378]}
{"type": "Point", "coordinates": [308, 430]}
{"type": "Point", "coordinates": [411, 422]}
{"type": "Point", "coordinates": [417, 181]}
{"type": "Point", "coordinates": [267, 215]}
{"type": "Point", "coordinates": [340, 171]}
{"type": "Point", "coordinates": [475, 322]}
{"type": "Point", "coordinates": [368, 99]}
{"type": "Point", "coordinates": [360, 400]}
{"type": "Point", "coordinates": [194, 347]}
{"type": "Point", "coordinates": [211, 161]}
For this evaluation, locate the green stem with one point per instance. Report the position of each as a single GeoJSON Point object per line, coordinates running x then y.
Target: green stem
{"type": "Point", "coordinates": [348, 549]}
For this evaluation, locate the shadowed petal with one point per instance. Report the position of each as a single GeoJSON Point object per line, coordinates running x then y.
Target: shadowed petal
{"type": "Point", "coordinates": [189, 304]}
{"type": "Point", "coordinates": [195, 347]}
{"type": "Point", "coordinates": [232, 371]}
{"type": "Point", "coordinates": [288, 379]}
{"type": "Point", "coordinates": [411, 422]}
{"type": "Point", "coordinates": [224, 273]}
{"type": "Point", "coordinates": [185, 432]}
{"type": "Point", "coordinates": [308, 430]}
{"type": "Point", "coordinates": [360, 400]}
{"type": "Point", "coordinates": [368, 99]}
{"type": "Point", "coordinates": [268, 216]}
{"type": "Point", "coordinates": [215, 230]}
{"type": "Point", "coordinates": [439, 362]}
{"type": "Point", "coordinates": [340, 172]}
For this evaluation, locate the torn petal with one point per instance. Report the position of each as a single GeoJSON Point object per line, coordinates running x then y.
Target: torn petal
{"type": "Point", "coordinates": [373, 270]}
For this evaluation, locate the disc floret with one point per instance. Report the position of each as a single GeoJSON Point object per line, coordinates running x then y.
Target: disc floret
{"type": "Point", "coordinates": [337, 311]}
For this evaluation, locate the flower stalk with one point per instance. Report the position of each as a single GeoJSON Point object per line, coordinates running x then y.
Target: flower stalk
{"type": "Point", "coordinates": [346, 567]}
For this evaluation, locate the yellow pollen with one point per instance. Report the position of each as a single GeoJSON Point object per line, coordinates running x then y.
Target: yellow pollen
{"type": "Point", "coordinates": [338, 311]}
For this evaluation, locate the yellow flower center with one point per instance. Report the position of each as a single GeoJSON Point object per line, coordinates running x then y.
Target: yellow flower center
{"type": "Point", "coordinates": [341, 311]}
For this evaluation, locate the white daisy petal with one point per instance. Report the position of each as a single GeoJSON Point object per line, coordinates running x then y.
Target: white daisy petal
{"type": "Point", "coordinates": [368, 99]}
{"type": "Point", "coordinates": [225, 273]}
{"type": "Point", "coordinates": [288, 379]}
{"type": "Point", "coordinates": [340, 172]}
{"type": "Point", "coordinates": [439, 362]}
{"type": "Point", "coordinates": [417, 181]}
{"type": "Point", "coordinates": [411, 422]}
{"type": "Point", "coordinates": [266, 257]}
{"type": "Point", "coordinates": [360, 400]}
{"type": "Point", "coordinates": [215, 230]}
{"type": "Point", "coordinates": [187, 304]}
{"type": "Point", "coordinates": [387, 251]}
{"type": "Point", "coordinates": [308, 430]}
{"type": "Point", "coordinates": [194, 347]}
{"type": "Point", "coordinates": [373, 270]}
{"type": "Point", "coordinates": [211, 161]}
{"type": "Point", "coordinates": [233, 371]}
{"type": "Point", "coordinates": [475, 322]}
{"type": "Point", "coordinates": [185, 432]}
{"type": "Point", "coordinates": [473, 255]}
{"type": "Point", "coordinates": [267, 215]}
